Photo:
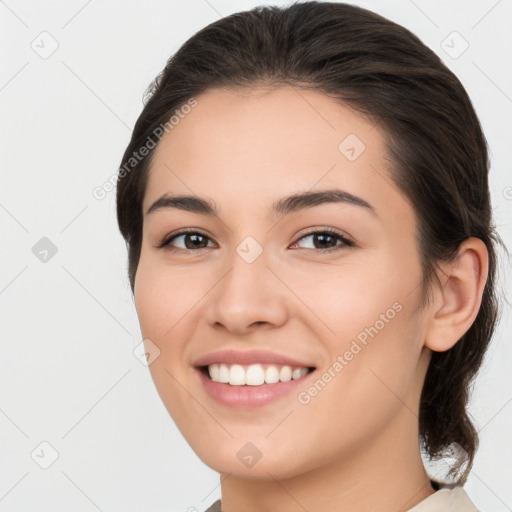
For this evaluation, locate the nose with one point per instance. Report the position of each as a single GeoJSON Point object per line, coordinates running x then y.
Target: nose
{"type": "Point", "coordinates": [249, 297]}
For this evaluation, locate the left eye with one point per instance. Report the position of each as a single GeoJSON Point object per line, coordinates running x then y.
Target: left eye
{"type": "Point", "coordinates": [324, 240]}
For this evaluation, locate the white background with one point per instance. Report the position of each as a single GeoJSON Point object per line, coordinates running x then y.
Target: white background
{"type": "Point", "coordinates": [68, 375]}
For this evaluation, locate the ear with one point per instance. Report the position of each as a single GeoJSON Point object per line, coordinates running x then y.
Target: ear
{"type": "Point", "coordinates": [458, 298]}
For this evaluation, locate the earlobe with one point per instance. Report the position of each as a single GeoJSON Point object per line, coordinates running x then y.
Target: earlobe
{"type": "Point", "coordinates": [458, 298]}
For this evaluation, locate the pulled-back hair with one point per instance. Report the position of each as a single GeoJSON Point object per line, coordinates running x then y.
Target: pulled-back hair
{"type": "Point", "coordinates": [437, 151]}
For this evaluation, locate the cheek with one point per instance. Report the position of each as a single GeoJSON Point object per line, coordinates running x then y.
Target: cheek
{"type": "Point", "coordinates": [166, 297]}
{"type": "Point", "coordinates": [345, 298]}
{"type": "Point", "coordinates": [366, 317]}
{"type": "Point", "coordinates": [371, 372]}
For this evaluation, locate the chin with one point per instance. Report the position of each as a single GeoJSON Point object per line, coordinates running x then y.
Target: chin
{"type": "Point", "coordinates": [246, 459]}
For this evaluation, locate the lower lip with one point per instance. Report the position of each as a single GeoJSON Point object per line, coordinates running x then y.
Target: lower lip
{"type": "Point", "coordinates": [249, 396]}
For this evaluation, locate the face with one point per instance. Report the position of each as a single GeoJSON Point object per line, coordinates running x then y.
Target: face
{"type": "Point", "coordinates": [326, 281]}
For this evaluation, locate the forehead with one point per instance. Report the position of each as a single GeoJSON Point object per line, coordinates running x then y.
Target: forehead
{"type": "Point", "coordinates": [261, 143]}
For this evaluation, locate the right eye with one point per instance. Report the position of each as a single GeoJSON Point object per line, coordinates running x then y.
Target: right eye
{"type": "Point", "coordinates": [188, 241]}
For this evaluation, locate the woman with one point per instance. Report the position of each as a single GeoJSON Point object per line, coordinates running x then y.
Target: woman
{"type": "Point", "coordinates": [311, 251]}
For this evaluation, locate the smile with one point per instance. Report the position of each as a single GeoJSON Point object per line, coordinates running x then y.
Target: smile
{"type": "Point", "coordinates": [254, 374]}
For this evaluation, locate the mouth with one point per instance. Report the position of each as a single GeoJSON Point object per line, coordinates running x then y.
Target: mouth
{"type": "Point", "coordinates": [246, 387]}
{"type": "Point", "coordinates": [253, 374]}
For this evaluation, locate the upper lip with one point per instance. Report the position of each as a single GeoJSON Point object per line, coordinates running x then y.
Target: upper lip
{"type": "Point", "coordinates": [249, 357]}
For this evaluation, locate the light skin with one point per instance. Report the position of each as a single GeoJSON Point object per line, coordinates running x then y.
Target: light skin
{"type": "Point", "coordinates": [354, 446]}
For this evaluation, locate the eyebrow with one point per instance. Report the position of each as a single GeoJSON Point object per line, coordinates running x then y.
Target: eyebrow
{"type": "Point", "coordinates": [284, 206]}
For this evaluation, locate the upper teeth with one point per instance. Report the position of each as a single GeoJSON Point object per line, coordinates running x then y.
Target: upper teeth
{"type": "Point", "coordinates": [254, 374]}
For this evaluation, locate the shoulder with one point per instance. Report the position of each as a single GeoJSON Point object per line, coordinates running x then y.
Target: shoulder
{"type": "Point", "coordinates": [454, 499]}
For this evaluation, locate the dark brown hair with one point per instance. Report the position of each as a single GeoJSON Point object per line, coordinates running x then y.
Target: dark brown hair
{"type": "Point", "coordinates": [437, 151]}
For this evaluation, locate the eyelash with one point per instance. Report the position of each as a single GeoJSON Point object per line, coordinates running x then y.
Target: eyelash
{"type": "Point", "coordinates": [346, 242]}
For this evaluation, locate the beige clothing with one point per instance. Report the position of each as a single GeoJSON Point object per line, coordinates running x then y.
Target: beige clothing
{"type": "Point", "coordinates": [444, 500]}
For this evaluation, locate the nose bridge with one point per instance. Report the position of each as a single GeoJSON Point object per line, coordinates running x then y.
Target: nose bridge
{"type": "Point", "coordinates": [247, 294]}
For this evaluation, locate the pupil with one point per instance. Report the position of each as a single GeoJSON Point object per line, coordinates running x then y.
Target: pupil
{"type": "Point", "coordinates": [323, 238]}
{"type": "Point", "coordinates": [195, 239]}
